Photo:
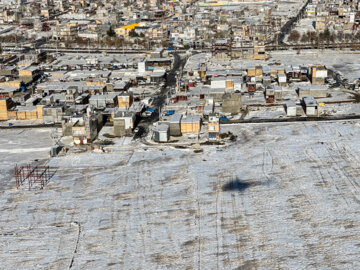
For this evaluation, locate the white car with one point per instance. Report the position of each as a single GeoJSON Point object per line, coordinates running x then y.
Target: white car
{"type": "Point", "coordinates": [146, 114]}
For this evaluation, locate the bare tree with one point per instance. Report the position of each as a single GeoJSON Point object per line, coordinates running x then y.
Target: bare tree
{"type": "Point", "coordinates": [294, 36]}
{"type": "Point", "coordinates": [304, 38]}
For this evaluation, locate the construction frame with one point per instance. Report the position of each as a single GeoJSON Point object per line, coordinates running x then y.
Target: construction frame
{"type": "Point", "coordinates": [34, 175]}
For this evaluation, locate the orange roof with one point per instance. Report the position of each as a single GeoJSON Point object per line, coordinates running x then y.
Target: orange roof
{"type": "Point", "coordinates": [130, 26]}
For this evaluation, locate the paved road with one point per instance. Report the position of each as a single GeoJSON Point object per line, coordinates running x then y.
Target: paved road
{"type": "Point", "coordinates": [159, 101]}
{"type": "Point", "coordinates": [291, 23]}
{"type": "Point", "coordinates": [272, 46]}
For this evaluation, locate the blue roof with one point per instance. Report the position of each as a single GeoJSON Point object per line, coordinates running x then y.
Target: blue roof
{"type": "Point", "coordinates": [171, 112]}
{"type": "Point", "coordinates": [224, 118]}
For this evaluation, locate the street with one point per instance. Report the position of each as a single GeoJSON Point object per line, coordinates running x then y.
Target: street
{"type": "Point", "coordinates": [145, 123]}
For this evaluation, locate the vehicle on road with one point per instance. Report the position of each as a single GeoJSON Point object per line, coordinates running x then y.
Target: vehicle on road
{"type": "Point", "coordinates": [148, 112]}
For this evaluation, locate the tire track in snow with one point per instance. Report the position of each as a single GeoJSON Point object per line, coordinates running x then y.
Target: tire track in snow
{"type": "Point", "coordinates": [315, 158]}
{"type": "Point", "coordinates": [77, 243]}
{"type": "Point", "coordinates": [216, 224]}
{"type": "Point", "coordinates": [267, 164]}
{"type": "Point", "coordinates": [331, 150]}
{"type": "Point", "coordinates": [328, 257]}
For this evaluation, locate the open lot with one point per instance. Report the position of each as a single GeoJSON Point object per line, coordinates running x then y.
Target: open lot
{"type": "Point", "coordinates": [282, 196]}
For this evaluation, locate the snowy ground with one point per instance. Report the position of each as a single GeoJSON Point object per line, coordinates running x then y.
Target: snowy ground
{"type": "Point", "coordinates": [287, 8]}
{"type": "Point", "coordinates": [21, 122]}
{"type": "Point", "coordinates": [283, 196]}
{"type": "Point", "coordinates": [23, 146]}
{"type": "Point", "coordinates": [305, 25]}
{"type": "Point", "coordinates": [341, 109]}
{"type": "Point", "coordinates": [266, 112]}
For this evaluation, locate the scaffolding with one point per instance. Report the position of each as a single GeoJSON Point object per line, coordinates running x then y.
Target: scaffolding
{"type": "Point", "coordinates": [36, 176]}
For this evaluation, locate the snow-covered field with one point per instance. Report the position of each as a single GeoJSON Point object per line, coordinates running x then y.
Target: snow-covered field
{"type": "Point", "coordinates": [282, 196]}
{"type": "Point", "coordinates": [341, 109]}
{"type": "Point", "coordinates": [266, 112]}
{"type": "Point", "coordinates": [22, 146]}
{"type": "Point", "coordinates": [305, 25]}
{"type": "Point", "coordinates": [287, 8]}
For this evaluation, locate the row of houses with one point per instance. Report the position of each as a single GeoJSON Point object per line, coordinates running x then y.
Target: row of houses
{"type": "Point", "coordinates": [176, 126]}
{"type": "Point", "coordinates": [337, 16]}
{"type": "Point", "coordinates": [82, 101]}
{"type": "Point", "coordinates": [265, 73]}
{"type": "Point", "coordinates": [144, 23]}
{"type": "Point", "coordinates": [215, 95]}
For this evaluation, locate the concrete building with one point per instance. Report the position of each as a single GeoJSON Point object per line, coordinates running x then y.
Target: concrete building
{"type": "Point", "coordinates": [310, 105]}
{"type": "Point", "coordinates": [231, 103]}
{"type": "Point", "coordinates": [85, 130]}
{"type": "Point", "coordinates": [102, 101]}
{"type": "Point", "coordinates": [175, 124]}
{"type": "Point", "coordinates": [52, 113]}
{"type": "Point", "coordinates": [290, 108]}
{"type": "Point", "coordinates": [273, 93]}
{"type": "Point", "coordinates": [282, 80]}
{"type": "Point", "coordinates": [214, 127]}
{"type": "Point", "coordinates": [124, 122]}
{"type": "Point", "coordinates": [5, 105]}
{"type": "Point", "coordinates": [316, 91]}
{"type": "Point", "coordinates": [161, 133]}
{"type": "Point", "coordinates": [28, 74]}
{"type": "Point", "coordinates": [191, 124]}
{"type": "Point", "coordinates": [318, 74]}
{"type": "Point", "coordinates": [125, 100]}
